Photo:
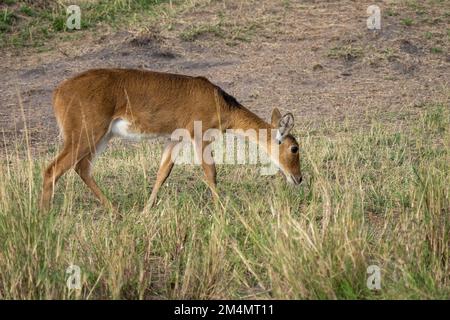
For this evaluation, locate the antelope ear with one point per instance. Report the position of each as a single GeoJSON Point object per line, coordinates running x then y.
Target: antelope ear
{"type": "Point", "coordinates": [276, 116]}
{"type": "Point", "coordinates": [285, 126]}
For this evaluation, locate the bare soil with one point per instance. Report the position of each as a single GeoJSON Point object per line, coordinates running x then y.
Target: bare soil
{"type": "Point", "coordinates": [316, 59]}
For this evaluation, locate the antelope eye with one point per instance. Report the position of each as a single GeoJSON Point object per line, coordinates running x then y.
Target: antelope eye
{"type": "Point", "coordinates": [294, 149]}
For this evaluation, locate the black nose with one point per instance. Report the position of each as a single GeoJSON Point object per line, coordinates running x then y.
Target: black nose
{"type": "Point", "coordinates": [300, 180]}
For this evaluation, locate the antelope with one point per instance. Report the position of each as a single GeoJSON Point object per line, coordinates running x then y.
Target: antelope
{"type": "Point", "coordinates": [99, 104]}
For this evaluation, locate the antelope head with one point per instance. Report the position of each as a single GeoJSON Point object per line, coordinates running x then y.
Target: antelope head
{"type": "Point", "coordinates": [288, 149]}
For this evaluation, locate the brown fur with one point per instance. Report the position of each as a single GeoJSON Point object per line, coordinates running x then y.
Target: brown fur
{"type": "Point", "coordinates": [152, 102]}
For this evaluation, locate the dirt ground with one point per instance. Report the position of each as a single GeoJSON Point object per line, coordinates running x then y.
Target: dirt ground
{"type": "Point", "coordinates": [314, 58]}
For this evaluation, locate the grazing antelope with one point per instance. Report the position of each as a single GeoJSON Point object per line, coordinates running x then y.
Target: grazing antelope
{"type": "Point", "coordinates": [100, 104]}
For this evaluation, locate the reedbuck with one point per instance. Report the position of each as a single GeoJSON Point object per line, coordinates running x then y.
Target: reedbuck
{"type": "Point", "coordinates": [97, 105]}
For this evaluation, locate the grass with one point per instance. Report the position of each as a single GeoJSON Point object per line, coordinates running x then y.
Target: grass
{"type": "Point", "coordinates": [32, 25]}
{"type": "Point", "coordinates": [7, 18]}
{"type": "Point", "coordinates": [232, 33]}
{"type": "Point", "coordinates": [194, 32]}
{"type": "Point", "coordinates": [377, 195]}
{"type": "Point", "coordinates": [436, 50]}
{"type": "Point", "coordinates": [347, 52]}
{"type": "Point", "coordinates": [407, 22]}
{"type": "Point", "coordinates": [391, 12]}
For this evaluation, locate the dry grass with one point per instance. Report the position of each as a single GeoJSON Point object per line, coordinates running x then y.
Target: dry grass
{"type": "Point", "coordinates": [379, 196]}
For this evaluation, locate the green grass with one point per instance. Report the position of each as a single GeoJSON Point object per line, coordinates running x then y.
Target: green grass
{"type": "Point", "coordinates": [407, 22]}
{"type": "Point", "coordinates": [428, 35]}
{"type": "Point", "coordinates": [377, 195]}
{"type": "Point", "coordinates": [194, 32]}
{"type": "Point", "coordinates": [49, 22]}
{"type": "Point", "coordinates": [391, 12]}
{"type": "Point", "coordinates": [232, 33]}
{"type": "Point", "coordinates": [436, 50]}
{"type": "Point", "coordinates": [7, 19]}
{"type": "Point", "coordinates": [28, 11]}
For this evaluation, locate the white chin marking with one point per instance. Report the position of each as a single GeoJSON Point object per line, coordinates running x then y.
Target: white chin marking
{"type": "Point", "coordinates": [290, 180]}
